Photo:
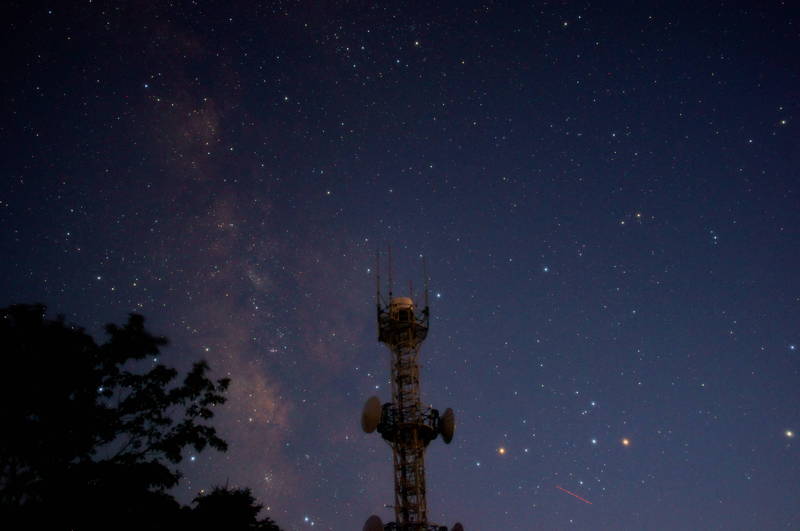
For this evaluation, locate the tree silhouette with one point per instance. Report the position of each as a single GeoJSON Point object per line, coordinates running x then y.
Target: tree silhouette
{"type": "Point", "coordinates": [92, 433]}
{"type": "Point", "coordinates": [229, 509]}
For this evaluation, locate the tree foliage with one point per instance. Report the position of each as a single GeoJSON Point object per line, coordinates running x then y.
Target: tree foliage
{"type": "Point", "coordinates": [93, 432]}
{"type": "Point", "coordinates": [230, 509]}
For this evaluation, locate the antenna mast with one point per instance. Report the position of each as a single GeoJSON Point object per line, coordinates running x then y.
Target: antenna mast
{"type": "Point", "coordinates": [425, 279]}
{"type": "Point", "coordinates": [404, 423]}
{"type": "Point", "coordinates": [377, 278]}
{"type": "Point", "coordinates": [390, 272]}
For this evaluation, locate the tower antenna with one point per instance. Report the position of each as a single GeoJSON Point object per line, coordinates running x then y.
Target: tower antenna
{"type": "Point", "coordinates": [404, 423]}
{"type": "Point", "coordinates": [390, 272]}
{"type": "Point", "coordinates": [377, 277]}
{"type": "Point", "coordinates": [425, 279]}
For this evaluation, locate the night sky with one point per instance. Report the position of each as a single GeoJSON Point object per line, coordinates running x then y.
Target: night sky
{"type": "Point", "coordinates": [606, 197]}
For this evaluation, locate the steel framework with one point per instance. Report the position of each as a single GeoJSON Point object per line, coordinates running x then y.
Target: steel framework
{"type": "Point", "coordinates": [404, 422]}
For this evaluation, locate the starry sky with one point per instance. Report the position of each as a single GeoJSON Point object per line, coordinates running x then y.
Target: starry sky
{"type": "Point", "coordinates": [606, 197]}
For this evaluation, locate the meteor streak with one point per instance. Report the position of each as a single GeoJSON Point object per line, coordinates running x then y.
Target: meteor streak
{"type": "Point", "coordinates": [573, 494]}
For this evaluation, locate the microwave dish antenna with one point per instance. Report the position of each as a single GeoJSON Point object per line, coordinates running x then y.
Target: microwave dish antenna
{"type": "Point", "coordinates": [371, 415]}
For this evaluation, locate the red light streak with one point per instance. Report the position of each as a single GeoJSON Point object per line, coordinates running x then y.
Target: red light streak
{"type": "Point", "coordinates": [573, 494]}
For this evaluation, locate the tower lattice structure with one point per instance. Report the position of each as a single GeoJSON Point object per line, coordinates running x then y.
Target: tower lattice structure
{"type": "Point", "coordinates": [408, 427]}
{"type": "Point", "coordinates": [404, 423]}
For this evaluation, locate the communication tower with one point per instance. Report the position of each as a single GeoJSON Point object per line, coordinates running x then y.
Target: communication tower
{"type": "Point", "coordinates": [404, 423]}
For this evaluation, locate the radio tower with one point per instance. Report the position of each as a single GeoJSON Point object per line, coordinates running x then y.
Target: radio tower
{"type": "Point", "coordinates": [404, 423]}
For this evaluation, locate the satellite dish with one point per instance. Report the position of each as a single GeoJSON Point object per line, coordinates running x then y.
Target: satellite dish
{"type": "Point", "coordinates": [447, 425]}
{"type": "Point", "coordinates": [458, 527]}
{"type": "Point", "coordinates": [371, 415]}
{"type": "Point", "coordinates": [373, 523]}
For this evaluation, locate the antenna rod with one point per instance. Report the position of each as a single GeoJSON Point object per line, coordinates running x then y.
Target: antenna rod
{"type": "Point", "coordinates": [390, 272]}
{"type": "Point", "coordinates": [425, 274]}
{"type": "Point", "coordinates": [377, 277]}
